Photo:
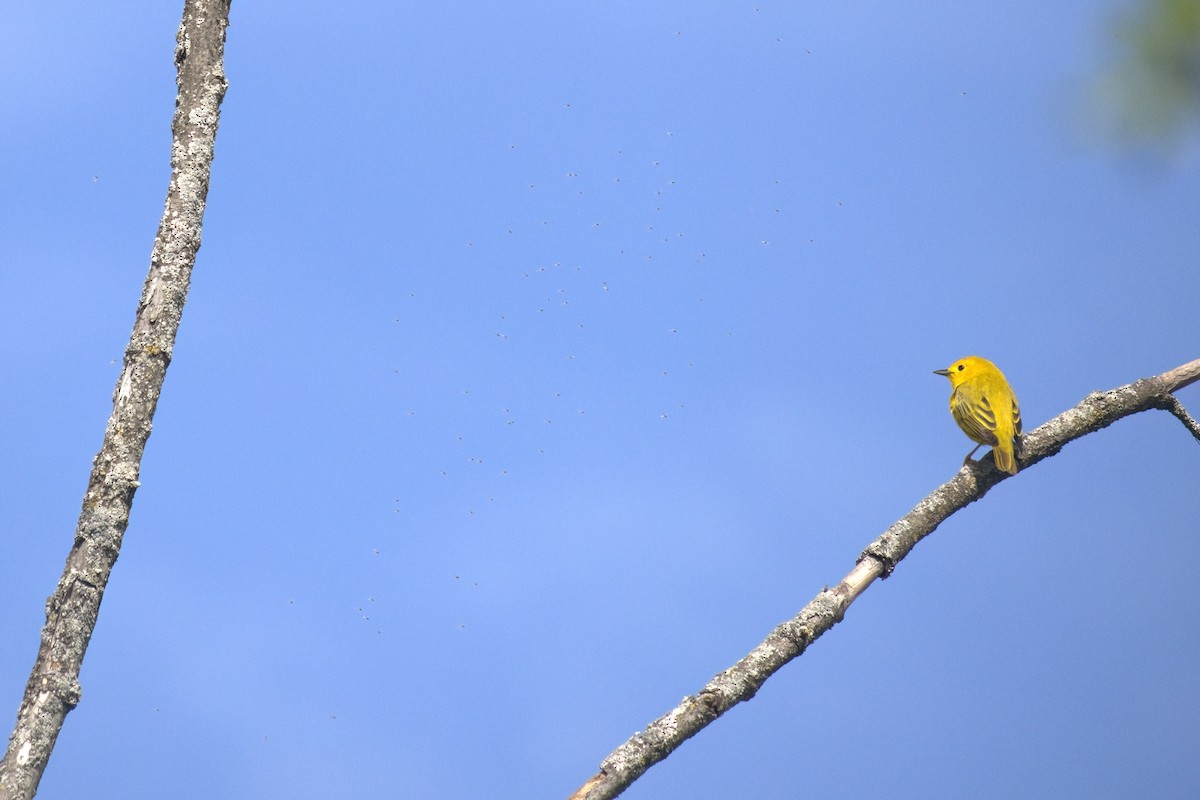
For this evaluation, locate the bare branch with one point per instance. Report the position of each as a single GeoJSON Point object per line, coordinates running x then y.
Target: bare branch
{"type": "Point", "coordinates": [1181, 376]}
{"type": "Point", "coordinates": [1175, 407]}
{"type": "Point", "coordinates": [71, 612]}
{"type": "Point", "coordinates": [741, 681]}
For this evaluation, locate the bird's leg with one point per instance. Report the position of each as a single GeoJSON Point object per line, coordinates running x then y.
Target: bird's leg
{"type": "Point", "coordinates": [968, 460]}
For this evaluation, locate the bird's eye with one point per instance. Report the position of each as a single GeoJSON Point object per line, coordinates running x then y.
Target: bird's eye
{"type": "Point", "coordinates": [961, 367]}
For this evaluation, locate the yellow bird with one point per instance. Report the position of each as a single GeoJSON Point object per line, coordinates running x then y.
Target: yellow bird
{"type": "Point", "coordinates": [985, 407]}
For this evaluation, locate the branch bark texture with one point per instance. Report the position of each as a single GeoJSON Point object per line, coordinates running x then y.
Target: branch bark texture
{"type": "Point", "coordinates": [789, 640]}
{"type": "Point", "coordinates": [71, 612]}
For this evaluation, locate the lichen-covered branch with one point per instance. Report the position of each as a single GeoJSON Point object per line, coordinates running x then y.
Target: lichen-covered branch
{"type": "Point", "coordinates": [71, 612]}
{"type": "Point", "coordinates": [1175, 407]}
{"type": "Point", "coordinates": [788, 641]}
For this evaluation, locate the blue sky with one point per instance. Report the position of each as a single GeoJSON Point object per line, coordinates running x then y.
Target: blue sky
{"type": "Point", "coordinates": [539, 360]}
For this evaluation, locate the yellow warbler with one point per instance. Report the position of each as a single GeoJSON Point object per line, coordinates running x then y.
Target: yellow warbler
{"type": "Point", "coordinates": [985, 407]}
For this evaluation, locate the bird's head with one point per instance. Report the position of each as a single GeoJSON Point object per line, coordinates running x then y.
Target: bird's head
{"type": "Point", "coordinates": [964, 369]}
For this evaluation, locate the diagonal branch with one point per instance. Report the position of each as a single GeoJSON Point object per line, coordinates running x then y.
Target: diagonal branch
{"type": "Point", "coordinates": [789, 640]}
{"type": "Point", "coordinates": [71, 612]}
{"type": "Point", "coordinates": [1173, 405]}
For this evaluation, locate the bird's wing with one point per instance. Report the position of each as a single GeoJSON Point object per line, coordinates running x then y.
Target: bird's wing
{"type": "Point", "coordinates": [974, 414]}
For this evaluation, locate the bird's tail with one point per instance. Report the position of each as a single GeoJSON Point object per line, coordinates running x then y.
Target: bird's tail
{"type": "Point", "coordinates": [1003, 455]}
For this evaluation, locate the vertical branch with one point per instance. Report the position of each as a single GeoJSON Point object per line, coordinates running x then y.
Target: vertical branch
{"type": "Point", "coordinates": [71, 612]}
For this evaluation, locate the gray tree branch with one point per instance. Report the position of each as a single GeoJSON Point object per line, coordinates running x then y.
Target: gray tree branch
{"type": "Point", "coordinates": [1175, 407]}
{"type": "Point", "coordinates": [789, 640]}
{"type": "Point", "coordinates": [71, 612]}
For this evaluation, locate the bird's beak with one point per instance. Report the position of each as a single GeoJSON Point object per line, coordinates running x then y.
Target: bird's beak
{"type": "Point", "coordinates": [945, 372]}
